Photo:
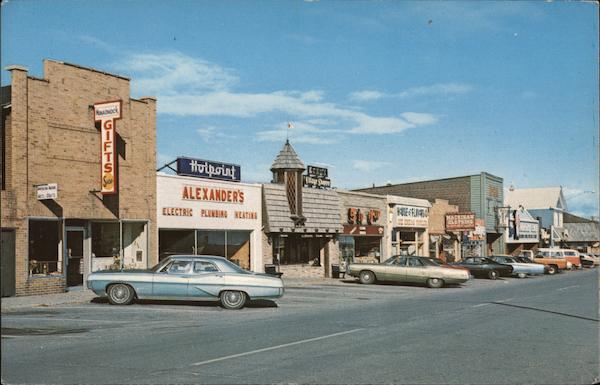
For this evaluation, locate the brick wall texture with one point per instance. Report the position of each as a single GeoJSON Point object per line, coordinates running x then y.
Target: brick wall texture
{"type": "Point", "coordinates": [51, 137]}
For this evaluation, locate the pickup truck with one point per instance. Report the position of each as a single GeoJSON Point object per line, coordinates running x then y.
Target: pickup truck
{"type": "Point", "coordinates": [554, 259]}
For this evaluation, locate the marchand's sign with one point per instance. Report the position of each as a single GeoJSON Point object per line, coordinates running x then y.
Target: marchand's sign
{"type": "Point", "coordinates": [460, 221]}
{"type": "Point", "coordinates": [107, 113]}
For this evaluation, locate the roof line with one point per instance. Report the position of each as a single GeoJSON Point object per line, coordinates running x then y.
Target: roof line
{"type": "Point", "coordinates": [89, 69]}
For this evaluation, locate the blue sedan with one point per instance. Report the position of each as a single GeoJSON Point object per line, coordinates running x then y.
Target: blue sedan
{"type": "Point", "coordinates": [189, 278]}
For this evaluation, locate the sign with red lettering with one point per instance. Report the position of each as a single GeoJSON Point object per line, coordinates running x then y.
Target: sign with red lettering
{"type": "Point", "coordinates": [107, 113]}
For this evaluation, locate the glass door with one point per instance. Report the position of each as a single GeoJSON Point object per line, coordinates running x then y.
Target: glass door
{"type": "Point", "coordinates": [74, 255]}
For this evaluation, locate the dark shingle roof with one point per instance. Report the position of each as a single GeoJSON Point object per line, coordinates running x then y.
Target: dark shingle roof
{"type": "Point", "coordinates": [583, 232]}
{"type": "Point", "coordinates": [321, 208]}
{"type": "Point", "coordinates": [287, 159]}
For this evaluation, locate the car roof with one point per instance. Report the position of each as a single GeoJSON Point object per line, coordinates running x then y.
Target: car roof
{"type": "Point", "coordinates": [186, 256]}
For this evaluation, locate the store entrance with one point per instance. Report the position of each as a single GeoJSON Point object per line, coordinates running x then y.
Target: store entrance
{"type": "Point", "coordinates": [74, 253]}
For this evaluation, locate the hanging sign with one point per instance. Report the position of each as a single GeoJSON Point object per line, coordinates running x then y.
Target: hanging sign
{"type": "Point", "coordinates": [107, 113]}
{"type": "Point", "coordinates": [47, 191]}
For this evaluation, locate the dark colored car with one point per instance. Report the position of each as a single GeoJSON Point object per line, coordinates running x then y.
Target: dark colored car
{"type": "Point", "coordinates": [481, 267]}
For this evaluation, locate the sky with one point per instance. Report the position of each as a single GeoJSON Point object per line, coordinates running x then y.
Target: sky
{"type": "Point", "coordinates": [376, 91]}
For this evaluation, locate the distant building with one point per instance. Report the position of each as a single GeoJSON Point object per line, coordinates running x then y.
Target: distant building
{"type": "Point", "coordinates": [481, 194]}
{"type": "Point", "coordinates": [581, 234]}
{"type": "Point", "coordinates": [547, 204]}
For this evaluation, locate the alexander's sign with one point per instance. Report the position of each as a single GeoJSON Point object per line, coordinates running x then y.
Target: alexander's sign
{"type": "Point", "coordinates": [107, 113]}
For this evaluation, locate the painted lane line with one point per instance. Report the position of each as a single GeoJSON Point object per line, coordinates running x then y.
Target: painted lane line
{"type": "Point", "coordinates": [567, 287]}
{"type": "Point", "coordinates": [481, 304]}
{"type": "Point", "coordinates": [275, 347]}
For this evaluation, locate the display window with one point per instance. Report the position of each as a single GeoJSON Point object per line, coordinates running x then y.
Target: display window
{"type": "Point", "coordinates": [45, 257]}
{"type": "Point", "coordinates": [233, 244]}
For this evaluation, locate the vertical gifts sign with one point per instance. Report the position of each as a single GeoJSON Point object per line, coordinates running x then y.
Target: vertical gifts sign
{"type": "Point", "coordinates": [107, 113]}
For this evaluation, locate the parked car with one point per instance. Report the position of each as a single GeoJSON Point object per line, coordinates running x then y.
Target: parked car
{"type": "Point", "coordinates": [554, 259]}
{"type": "Point", "coordinates": [587, 260]}
{"type": "Point", "coordinates": [596, 258]}
{"type": "Point", "coordinates": [571, 256]}
{"type": "Point", "coordinates": [520, 269]}
{"type": "Point", "coordinates": [402, 268]}
{"type": "Point", "coordinates": [485, 267]}
{"type": "Point", "coordinates": [187, 277]}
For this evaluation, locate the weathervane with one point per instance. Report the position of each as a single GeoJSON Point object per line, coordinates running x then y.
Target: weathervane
{"type": "Point", "coordinates": [287, 132]}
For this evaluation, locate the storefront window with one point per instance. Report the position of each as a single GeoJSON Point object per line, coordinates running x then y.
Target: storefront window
{"type": "Point", "coordinates": [106, 245]}
{"type": "Point", "coordinates": [238, 248]}
{"type": "Point", "coordinates": [172, 242]}
{"type": "Point", "coordinates": [211, 242]}
{"type": "Point", "coordinates": [278, 249]}
{"type": "Point", "coordinates": [368, 248]}
{"type": "Point", "coordinates": [45, 257]}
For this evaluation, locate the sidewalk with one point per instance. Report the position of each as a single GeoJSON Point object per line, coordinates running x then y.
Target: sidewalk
{"type": "Point", "coordinates": [85, 295]}
{"type": "Point", "coordinates": [70, 297]}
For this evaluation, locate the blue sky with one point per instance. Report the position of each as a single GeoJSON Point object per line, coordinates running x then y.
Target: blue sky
{"type": "Point", "coordinates": [378, 91]}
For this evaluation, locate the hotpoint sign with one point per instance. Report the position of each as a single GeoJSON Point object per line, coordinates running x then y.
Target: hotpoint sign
{"type": "Point", "coordinates": [208, 169]}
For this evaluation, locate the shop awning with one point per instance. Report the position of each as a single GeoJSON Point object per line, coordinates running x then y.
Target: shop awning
{"type": "Point", "coordinates": [321, 208]}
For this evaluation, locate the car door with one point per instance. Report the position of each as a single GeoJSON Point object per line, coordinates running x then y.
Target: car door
{"type": "Point", "coordinates": [397, 270]}
{"type": "Point", "coordinates": [415, 270]}
{"type": "Point", "coordinates": [474, 265]}
{"type": "Point", "coordinates": [172, 280]}
{"type": "Point", "coordinates": [206, 281]}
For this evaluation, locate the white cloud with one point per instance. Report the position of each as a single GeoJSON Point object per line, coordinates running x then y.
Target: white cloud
{"type": "Point", "coordinates": [174, 73]}
{"type": "Point", "coordinates": [419, 118]}
{"type": "Point", "coordinates": [301, 132]}
{"type": "Point", "coordinates": [368, 165]}
{"type": "Point", "coordinates": [436, 89]}
{"type": "Point", "coordinates": [367, 95]}
{"type": "Point", "coordinates": [187, 86]}
{"type": "Point", "coordinates": [209, 133]}
{"type": "Point", "coordinates": [439, 89]}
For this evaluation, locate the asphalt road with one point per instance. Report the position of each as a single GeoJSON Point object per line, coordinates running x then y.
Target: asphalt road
{"type": "Point", "coordinates": [533, 330]}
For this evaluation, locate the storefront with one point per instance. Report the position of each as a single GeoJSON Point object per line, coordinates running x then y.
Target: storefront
{"type": "Point", "coordinates": [82, 197]}
{"type": "Point", "coordinates": [522, 233]}
{"type": "Point", "coordinates": [364, 227]}
{"type": "Point", "coordinates": [409, 225]}
{"type": "Point", "coordinates": [210, 217]}
{"type": "Point", "coordinates": [444, 234]}
{"type": "Point", "coordinates": [301, 218]}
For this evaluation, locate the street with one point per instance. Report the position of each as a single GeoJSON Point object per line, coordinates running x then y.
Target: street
{"type": "Point", "coordinates": [532, 330]}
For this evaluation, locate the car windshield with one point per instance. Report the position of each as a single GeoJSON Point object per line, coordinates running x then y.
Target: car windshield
{"type": "Point", "coordinates": [160, 264]}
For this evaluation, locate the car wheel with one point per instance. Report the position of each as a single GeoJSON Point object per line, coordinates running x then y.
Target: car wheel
{"type": "Point", "coordinates": [367, 277]}
{"type": "Point", "coordinates": [522, 275]}
{"type": "Point", "coordinates": [492, 274]}
{"type": "Point", "coordinates": [120, 294]}
{"type": "Point", "coordinates": [232, 299]}
{"type": "Point", "coordinates": [435, 283]}
{"type": "Point", "coordinates": [552, 269]}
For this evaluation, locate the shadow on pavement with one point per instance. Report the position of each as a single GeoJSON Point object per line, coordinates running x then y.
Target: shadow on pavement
{"type": "Point", "coordinates": [258, 303]}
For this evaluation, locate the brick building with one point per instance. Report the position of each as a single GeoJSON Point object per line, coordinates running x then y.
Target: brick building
{"type": "Point", "coordinates": [481, 194]}
{"type": "Point", "coordinates": [59, 222]}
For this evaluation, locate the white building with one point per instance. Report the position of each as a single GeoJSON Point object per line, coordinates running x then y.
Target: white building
{"type": "Point", "coordinates": [211, 217]}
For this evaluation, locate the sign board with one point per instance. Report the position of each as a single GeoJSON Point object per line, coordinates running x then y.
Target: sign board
{"type": "Point", "coordinates": [47, 191]}
{"type": "Point", "coordinates": [411, 216]}
{"type": "Point", "coordinates": [207, 169]}
{"type": "Point", "coordinates": [365, 216]}
{"type": "Point", "coordinates": [107, 113]}
{"type": "Point", "coordinates": [460, 221]}
{"type": "Point", "coordinates": [522, 228]}
{"type": "Point", "coordinates": [316, 177]}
